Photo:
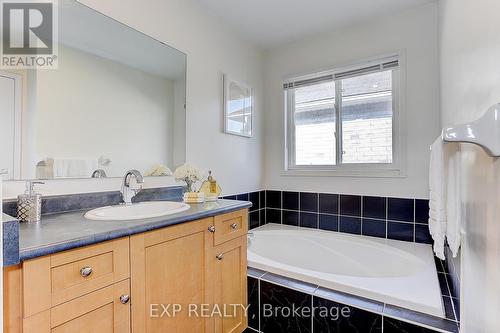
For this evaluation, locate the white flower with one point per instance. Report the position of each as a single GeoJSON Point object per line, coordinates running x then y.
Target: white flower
{"type": "Point", "coordinates": [158, 170]}
{"type": "Point", "coordinates": [189, 173]}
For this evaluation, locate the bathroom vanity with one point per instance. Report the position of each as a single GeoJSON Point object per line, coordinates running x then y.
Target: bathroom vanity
{"type": "Point", "coordinates": [180, 273]}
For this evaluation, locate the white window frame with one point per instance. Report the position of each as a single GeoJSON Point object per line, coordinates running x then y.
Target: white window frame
{"type": "Point", "coordinates": [395, 169]}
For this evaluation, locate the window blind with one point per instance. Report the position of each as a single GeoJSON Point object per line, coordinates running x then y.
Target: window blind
{"type": "Point", "coordinates": [383, 65]}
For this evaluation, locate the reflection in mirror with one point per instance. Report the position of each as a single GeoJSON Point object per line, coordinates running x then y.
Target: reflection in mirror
{"type": "Point", "coordinates": [237, 108]}
{"type": "Point", "coordinates": [116, 102]}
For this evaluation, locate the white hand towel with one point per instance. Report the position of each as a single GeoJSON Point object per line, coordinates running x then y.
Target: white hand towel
{"type": "Point", "coordinates": [437, 197]}
{"type": "Point", "coordinates": [453, 202]}
{"type": "Point", "coordinates": [74, 167]}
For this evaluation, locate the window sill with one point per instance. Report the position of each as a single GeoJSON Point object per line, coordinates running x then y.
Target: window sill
{"type": "Point", "coordinates": [381, 173]}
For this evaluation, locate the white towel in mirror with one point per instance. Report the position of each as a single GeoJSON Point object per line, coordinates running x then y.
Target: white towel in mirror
{"type": "Point", "coordinates": [74, 167]}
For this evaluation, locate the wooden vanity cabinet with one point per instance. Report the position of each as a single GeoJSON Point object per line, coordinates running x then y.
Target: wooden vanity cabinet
{"type": "Point", "coordinates": [189, 277]}
{"type": "Point", "coordinates": [230, 285]}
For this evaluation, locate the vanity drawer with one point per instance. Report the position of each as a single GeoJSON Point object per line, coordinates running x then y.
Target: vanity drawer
{"type": "Point", "coordinates": [230, 226]}
{"type": "Point", "coordinates": [58, 278]}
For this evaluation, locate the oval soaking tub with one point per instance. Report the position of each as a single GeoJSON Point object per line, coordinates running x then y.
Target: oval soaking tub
{"type": "Point", "coordinates": [389, 271]}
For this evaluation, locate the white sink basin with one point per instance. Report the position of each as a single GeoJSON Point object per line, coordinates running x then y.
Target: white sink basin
{"type": "Point", "coordinates": [136, 211]}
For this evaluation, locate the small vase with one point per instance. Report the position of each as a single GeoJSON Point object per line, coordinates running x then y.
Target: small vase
{"type": "Point", "coordinates": [189, 185]}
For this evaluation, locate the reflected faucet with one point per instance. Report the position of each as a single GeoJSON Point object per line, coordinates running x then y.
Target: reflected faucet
{"type": "Point", "coordinates": [99, 173]}
{"type": "Point", "coordinates": [127, 192]}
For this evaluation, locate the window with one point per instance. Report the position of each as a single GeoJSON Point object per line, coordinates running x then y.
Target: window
{"type": "Point", "coordinates": [344, 119]}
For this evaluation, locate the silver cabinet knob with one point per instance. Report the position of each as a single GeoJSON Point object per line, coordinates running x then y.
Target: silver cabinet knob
{"type": "Point", "coordinates": [211, 228]}
{"type": "Point", "coordinates": [220, 256]}
{"type": "Point", "coordinates": [124, 299]}
{"type": "Point", "coordinates": [234, 226]}
{"type": "Point", "coordinates": [86, 271]}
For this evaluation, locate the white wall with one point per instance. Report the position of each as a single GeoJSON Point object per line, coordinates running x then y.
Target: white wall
{"type": "Point", "coordinates": [212, 49]}
{"type": "Point", "coordinates": [129, 119]}
{"type": "Point", "coordinates": [415, 33]}
{"type": "Point", "coordinates": [470, 83]}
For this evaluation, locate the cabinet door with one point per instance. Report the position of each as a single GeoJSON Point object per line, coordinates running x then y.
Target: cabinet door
{"type": "Point", "coordinates": [171, 267]}
{"type": "Point", "coordinates": [106, 310]}
{"type": "Point", "coordinates": [230, 290]}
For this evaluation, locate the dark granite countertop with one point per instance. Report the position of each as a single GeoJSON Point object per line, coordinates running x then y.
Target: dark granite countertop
{"type": "Point", "coordinates": [10, 237]}
{"type": "Point", "coordinates": [64, 231]}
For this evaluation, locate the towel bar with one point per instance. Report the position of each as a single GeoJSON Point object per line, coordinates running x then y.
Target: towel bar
{"type": "Point", "coordinates": [484, 132]}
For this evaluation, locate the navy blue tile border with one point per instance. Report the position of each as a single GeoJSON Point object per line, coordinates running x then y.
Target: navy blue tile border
{"type": "Point", "coordinates": [394, 218]}
{"type": "Point", "coordinates": [397, 315]}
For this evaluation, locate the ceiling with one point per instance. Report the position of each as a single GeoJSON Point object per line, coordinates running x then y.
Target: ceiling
{"type": "Point", "coordinates": [270, 23]}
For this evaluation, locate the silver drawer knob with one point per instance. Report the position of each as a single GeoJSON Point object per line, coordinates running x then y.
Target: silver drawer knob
{"type": "Point", "coordinates": [124, 299]}
{"type": "Point", "coordinates": [234, 226]}
{"type": "Point", "coordinates": [211, 228]}
{"type": "Point", "coordinates": [220, 256]}
{"type": "Point", "coordinates": [86, 271]}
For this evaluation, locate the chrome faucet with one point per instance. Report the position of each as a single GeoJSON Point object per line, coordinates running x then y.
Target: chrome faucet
{"type": "Point", "coordinates": [127, 192]}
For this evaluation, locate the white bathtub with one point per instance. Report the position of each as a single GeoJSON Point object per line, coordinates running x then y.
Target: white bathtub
{"type": "Point", "coordinates": [393, 272]}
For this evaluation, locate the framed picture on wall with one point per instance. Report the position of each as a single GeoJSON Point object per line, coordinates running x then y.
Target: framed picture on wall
{"type": "Point", "coordinates": [238, 107]}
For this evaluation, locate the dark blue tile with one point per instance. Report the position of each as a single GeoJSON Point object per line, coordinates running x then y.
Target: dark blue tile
{"type": "Point", "coordinates": [443, 284]}
{"type": "Point", "coordinates": [291, 200]}
{"type": "Point", "coordinates": [262, 199]}
{"type": "Point", "coordinates": [456, 305]}
{"type": "Point", "coordinates": [400, 231]}
{"type": "Point", "coordinates": [254, 198]}
{"type": "Point", "coordinates": [375, 207]}
{"type": "Point", "coordinates": [273, 199]}
{"type": "Point", "coordinates": [263, 216]}
{"type": "Point", "coordinates": [400, 209]}
{"type": "Point", "coordinates": [253, 302]}
{"type": "Point", "coordinates": [308, 220]}
{"type": "Point", "coordinates": [329, 222]}
{"type": "Point", "coordinates": [309, 202]}
{"type": "Point", "coordinates": [254, 219]}
{"type": "Point", "coordinates": [242, 197]}
{"type": "Point", "coordinates": [454, 285]}
{"type": "Point", "coordinates": [230, 197]}
{"type": "Point", "coordinates": [350, 205]}
{"type": "Point", "coordinates": [290, 217]}
{"type": "Point", "coordinates": [330, 316]}
{"type": "Point", "coordinates": [422, 234]}
{"type": "Point", "coordinates": [422, 211]}
{"type": "Point", "coordinates": [273, 215]}
{"type": "Point", "coordinates": [448, 308]}
{"type": "Point", "coordinates": [439, 265]}
{"type": "Point", "coordinates": [273, 298]}
{"type": "Point", "coordinates": [375, 228]}
{"type": "Point", "coordinates": [328, 203]}
{"type": "Point", "coordinates": [351, 225]}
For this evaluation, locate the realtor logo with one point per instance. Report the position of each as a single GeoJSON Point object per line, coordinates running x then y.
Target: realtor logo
{"type": "Point", "coordinates": [29, 34]}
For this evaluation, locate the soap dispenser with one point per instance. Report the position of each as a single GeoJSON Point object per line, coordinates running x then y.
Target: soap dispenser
{"type": "Point", "coordinates": [29, 204]}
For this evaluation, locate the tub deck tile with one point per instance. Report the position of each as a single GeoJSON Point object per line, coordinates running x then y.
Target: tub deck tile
{"type": "Point", "coordinates": [302, 286]}
{"type": "Point", "coordinates": [407, 315]}
{"type": "Point", "coordinates": [255, 272]}
{"type": "Point", "coordinates": [351, 300]}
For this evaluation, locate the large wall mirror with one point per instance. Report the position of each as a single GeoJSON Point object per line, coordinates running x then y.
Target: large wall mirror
{"type": "Point", "coordinates": [115, 102]}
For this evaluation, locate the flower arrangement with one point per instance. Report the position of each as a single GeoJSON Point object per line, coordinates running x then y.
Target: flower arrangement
{"type": "Point", "coordinates": [158, 170]}
{"type": "Point", "coordinates": [188, 174]}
